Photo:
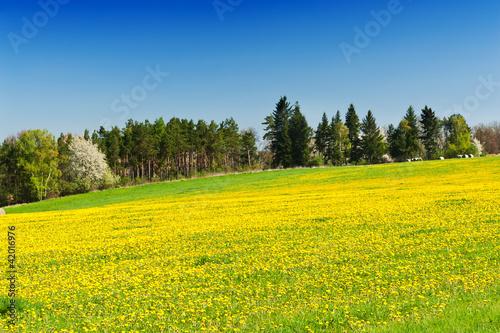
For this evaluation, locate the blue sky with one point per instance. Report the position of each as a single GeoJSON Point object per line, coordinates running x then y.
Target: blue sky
{"type": "Point", "coordinates": [77, 68]}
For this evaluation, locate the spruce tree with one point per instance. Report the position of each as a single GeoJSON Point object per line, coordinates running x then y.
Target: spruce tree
{"type": "Point", "coordinates": [269, 131]}
{"type": "Point", "coordinates": [412, 133]}
{"type": "Point", "coordinates": [321, 137]}
{"type": "Point", "coordinates": [398, 141]}
{"type": "Point", "coordinates": [281, 145]}
{"type": "Point", "coordinates": [352, 123]}
{"type": "Point", "coordinates": [300, 136]}
{"type": "Point", "coordinates": [372, 141]}
{"type": "Point", "coordinates": [430, 131]}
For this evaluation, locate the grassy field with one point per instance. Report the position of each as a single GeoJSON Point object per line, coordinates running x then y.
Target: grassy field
{"type": "Point", "coordinates": [411, 247]}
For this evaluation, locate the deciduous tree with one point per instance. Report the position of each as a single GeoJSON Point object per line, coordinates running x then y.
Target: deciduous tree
{"type": "Point", "coordinates": [38, 158]}
{"type": "Point", "coordinates": [87, 165]}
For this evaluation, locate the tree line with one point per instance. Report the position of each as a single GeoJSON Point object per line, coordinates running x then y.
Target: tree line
{"type": "Point", "coordinates": [34, 165]}
{"type": "Point", "coordinates": [349, 140]}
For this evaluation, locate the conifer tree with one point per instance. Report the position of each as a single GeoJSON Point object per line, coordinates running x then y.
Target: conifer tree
{"type": "Point", "coordinates": [281, 145]}
{"type": "Point", "coordinates": [321, 137]}
{"type": "Point", "coordinates": [300, 136]}
{"type": "Point", "coordinates": [339, 144]}
{"type": "Point", "coordinates": [352, 123]}
{"type": "Point", "coordinates": [430, 131]}
{"type": "Point", "coordinates": [412, 132]}
{"type": "Point", "coordinates": [372, 141]}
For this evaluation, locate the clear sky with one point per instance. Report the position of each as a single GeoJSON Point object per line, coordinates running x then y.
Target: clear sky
{"type": "Point", "coordinates": [70, 65]}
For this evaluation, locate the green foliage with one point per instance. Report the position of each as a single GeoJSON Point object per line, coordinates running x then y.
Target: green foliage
{"type": "Point", "coordinates": [404, 140]}
{"type": "Point", "coordinates": [252, 181]}
{"type": "Point", "coordinates": [269, 131]}
{"type": "Point", "coordinates": [124, 181]}
{"type": "Point", "coordinates": [430, 131]}
{"type": "Point", "coordinates": [300, 135]}
{"type": "Point", "coordinates": [231, 143]}
{"type": "Point", "coordinates": [317, 161]}
{"type": "Point", "coordinates": [372, 141]}
{"type": "Point", "coordinates": [13, 189]}
{"type": "Point", "coordinates": [398, 147]}
{"type": "Point", "coordinates": [411, 132]}
{"type": "Point", "coordinates": [457, 136]}
{"type": "Point", "coordinates": [249, 148]}
{"type": "Point", "coordinates": [281, 145]}
{"type": "Point", "coordinates": [182, 148]}
{"type": "Point", "coordinates": [321, 137]}
{"type": "Point", "coordinates": [353, 125]}
{"type": "Point", "coordinates": [38, 158]}
{"type": "Point", "coordinates": [68, 187]}
{"type": "Point", "coordinates": [338, 142]}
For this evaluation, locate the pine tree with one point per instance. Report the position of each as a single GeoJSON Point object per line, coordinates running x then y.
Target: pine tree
{"type": "Point", "coordinates": [231, 140]}
{"type": "Point", "coordinates": [248, 141]}
{"type": "Point", "coordinates": [13, 188]}
{"type": "Point", "coordinates": [300, 136]}
{"type": "Point", "coordinates": [352, 123]}
{"type": "Point", "coordinates": [372, 141]}
{"type": "Point", "coordinates": [160, 133]}
{"type": "Point", "coordinates": [201, 150]}
{"type": "Point", "coordinates": [430, 131]}
{"type": "Point", "coordinates": [113, 143]}
{"type": "Point", "coordinates": [126, 149]}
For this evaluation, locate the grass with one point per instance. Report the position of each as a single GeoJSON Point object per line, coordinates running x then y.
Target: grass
{"type": "Point", "coordinates": [150, 191]}
{"type": "Point", "coordinates": [467, 315]}
{"type": "Point", "coordinates": [410, 247]}
{"type": "Point", "coordinates": [399, 171]}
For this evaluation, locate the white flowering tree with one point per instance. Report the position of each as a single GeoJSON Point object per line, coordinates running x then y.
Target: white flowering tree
{"type": "Point", "coordinates": [87, 165]}
{"type": "Point", "coordinates": [479, 147]}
